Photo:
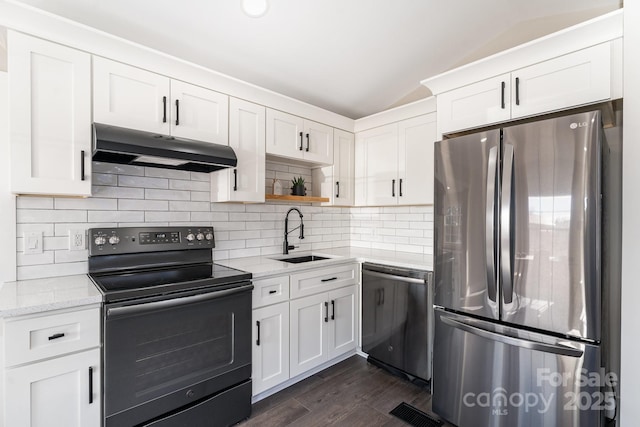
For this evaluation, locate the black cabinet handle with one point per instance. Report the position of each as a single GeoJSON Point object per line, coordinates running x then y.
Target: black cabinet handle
{"type": "Point", "coordinates": [164, 109]}
{"type": "Point", "coordinates": [56, 336]}
{"type": "Point", "coordinates": [333, 310]}
{"type": "Point", "coordinates": [326, 312]}
{"type": "Point", "coordinates": [90, 385]}
{"type": "Point", "coordinates": [258, 325]}
{"type": "Point", "coordinates": [329, 279]}
{"type": "Point", "coordinates": [337, 188]}
{"type": "Point", "coordinates": [235, 180]}
{"type": "Point", "coordinates": [393, 188]}
{"type": "Point", "coordinates": [400, 184]}
{"type": "Point", "coordinates": [177, 112]}
{"type": "Point", "coordinates": [517, 90]}
{"type": "Point", "coordinates": [272, 292]}
{"type": "Point", "coordinates": [82, 165]}
{"type": "Point", "coordinates": [307, 142]}
{"type": "Point", "coordinates": [504, 85]}
{"type": "Point", "coordinates": [300, 141]}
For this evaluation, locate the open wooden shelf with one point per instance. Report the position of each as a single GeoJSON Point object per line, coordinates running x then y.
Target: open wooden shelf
{"type": "Point", "coordinates": [288, 198]}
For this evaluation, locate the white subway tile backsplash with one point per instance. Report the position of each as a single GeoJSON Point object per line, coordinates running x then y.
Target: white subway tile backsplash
{"type": "Point", "coordinates": [142, 182]}
{"type": "Point", "coordinates": [125, 195]}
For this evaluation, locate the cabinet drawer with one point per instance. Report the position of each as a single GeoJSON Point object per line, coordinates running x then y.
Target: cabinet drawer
{"type": "Point", "coordinates": [51, 335]}
{"type": "Point", "coordinates": [323, 280]}
{"type": "Point", "coordinates": [270, 291]}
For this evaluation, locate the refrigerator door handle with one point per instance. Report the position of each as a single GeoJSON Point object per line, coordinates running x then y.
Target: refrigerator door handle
{"type": "Point", "coordinates": [560, 349]}
{"type": "Point", "coordinates": [506, 212]}
{"type": "Point", "coordinates": [490, 248]}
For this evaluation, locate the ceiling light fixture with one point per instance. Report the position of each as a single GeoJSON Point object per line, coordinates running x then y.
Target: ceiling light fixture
{"type": "Point", "coordinates": [255, 8]}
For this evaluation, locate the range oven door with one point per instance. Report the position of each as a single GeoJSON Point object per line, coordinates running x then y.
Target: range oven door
{"type": "Point", "coordinates": [163, 354]}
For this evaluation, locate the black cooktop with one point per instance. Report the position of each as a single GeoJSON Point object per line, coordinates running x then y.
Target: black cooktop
{"type": "Point", "coordinates": [136, 262]}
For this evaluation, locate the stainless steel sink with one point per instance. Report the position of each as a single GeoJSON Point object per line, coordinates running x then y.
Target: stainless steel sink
{"type": "Point", "coordinates": [306, 258]}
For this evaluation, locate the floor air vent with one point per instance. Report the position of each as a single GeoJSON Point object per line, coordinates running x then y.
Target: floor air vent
{"type": "Point", "coordinates": [413, 416]}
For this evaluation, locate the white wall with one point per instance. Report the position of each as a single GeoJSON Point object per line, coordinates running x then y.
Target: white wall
{"type": "Point", "coordinates": [630, 368]}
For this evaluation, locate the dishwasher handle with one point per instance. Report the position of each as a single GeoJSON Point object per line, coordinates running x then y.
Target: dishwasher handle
{"type": "Point", "coordinates": [394, 277]}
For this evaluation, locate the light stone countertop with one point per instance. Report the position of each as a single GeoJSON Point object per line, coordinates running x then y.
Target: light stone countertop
{"type": "Point", "coordinates": [264, 266]}
{"type": "Point", "coordinates": [52, 293]}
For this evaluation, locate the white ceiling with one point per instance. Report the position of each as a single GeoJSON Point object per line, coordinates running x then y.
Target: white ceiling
{"type": "Point", "coordinates": [353, 57]}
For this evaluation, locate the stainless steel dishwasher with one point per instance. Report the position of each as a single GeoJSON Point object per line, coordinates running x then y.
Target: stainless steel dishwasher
{"type": "Point", "coordinates": [397, 319]}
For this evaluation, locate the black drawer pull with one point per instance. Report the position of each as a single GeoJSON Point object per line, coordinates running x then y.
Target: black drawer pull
{"type": "Point", "coordinates": [258, 325]}
{"type": "Point", "coordinates": [235, 180]}
{"type": "Point", "coordinates": [333, 309]}
{"type": "Point", "coordinates": [400, 184]}
{"type": "Point", "coordinates": [337, 188]}
{"type": "Point", "coordinates": [164, 109]}
{"type": "Point", "coordinates": [177, 112]}
{"type": "Point", "coordinates": [307, 142]}
{"type": "Point", "coordinates": [272, 292]}
{"type": "Point", "coordinates": [56, 336]}
{"type": "Point", "coordinates": [301, 141]}
{"type": "Point", "coordinates": [329, 279]}
{"type": "Point", "coordinates": [326, 312]}
{"type": "Point", "coordinates": [517, 90]}
{"type": "Point", "coordinates": [393, 188]}
{"type": "Point", "coordinates": [504, 85]}
{"type": "Point", "coordinates": [90, 385]}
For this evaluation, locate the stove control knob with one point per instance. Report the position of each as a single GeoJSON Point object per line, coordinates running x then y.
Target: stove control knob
{"type": "Point", "coordinates": [114, 240]}
{"type": "Point", "coordinates": [100, 240]}
{"type": "Point", "coordinates": [190, 237]}
{"type": "Point", "coordinates": [209, 236]}
{"type": "Point", "coordinates": [200, 236]}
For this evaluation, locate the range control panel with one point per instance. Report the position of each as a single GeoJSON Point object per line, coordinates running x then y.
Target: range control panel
{"type": "Point", "coordinates": [107, 241]}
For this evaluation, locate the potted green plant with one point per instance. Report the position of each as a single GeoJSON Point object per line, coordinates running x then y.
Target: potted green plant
{"type": "Point", "coordinates": [298, 188]}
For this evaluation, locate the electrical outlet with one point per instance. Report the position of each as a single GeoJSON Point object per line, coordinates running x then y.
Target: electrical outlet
{"type": "Point", "coordinates": [33, 242]}
{"type": "Point", "coordinates": [77, 240]}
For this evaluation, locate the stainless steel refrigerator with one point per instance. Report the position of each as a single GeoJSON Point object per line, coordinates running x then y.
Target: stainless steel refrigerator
{"type": "Point", "coordinates": [517, 275]}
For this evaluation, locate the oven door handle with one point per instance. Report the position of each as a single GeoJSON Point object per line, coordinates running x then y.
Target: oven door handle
{"type": "Point", "coordinates": [174, 302]}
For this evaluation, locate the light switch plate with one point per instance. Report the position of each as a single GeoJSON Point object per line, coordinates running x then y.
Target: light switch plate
{"type": "Point", "coordinates": [33, 242]}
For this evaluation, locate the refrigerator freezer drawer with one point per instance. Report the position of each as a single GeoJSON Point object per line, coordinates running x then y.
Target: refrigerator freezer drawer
{"type": "Point", "coordinates": [513, 378]}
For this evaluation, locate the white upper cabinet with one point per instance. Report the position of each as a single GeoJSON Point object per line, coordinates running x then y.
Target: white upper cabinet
{"type": "Point", "coordinates": [293, 137]}
{"type": "Point", "coordinates": [245, 182]}
{"type": "Point", "coordinates": [133, 98]}
{"type": "Point", "coordinates": [50, 117]}
{"type": "Point", "coordinates": [578, 78]}
{"type": "Point", "coordinates": [488, 101]}
{"type": "Point", "coordinates": [337, 182]}
{"type": "Point", "coordinates": [199, 113]}
{"type": "Point", "coordinates": [394, 163]}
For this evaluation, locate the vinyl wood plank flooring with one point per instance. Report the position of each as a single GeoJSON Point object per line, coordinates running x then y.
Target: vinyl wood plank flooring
{"type": "Point", "coordinates": [352, 393]}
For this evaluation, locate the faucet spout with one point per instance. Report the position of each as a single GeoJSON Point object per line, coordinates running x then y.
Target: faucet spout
{"type": "Point", "coordinates": [285, 245]}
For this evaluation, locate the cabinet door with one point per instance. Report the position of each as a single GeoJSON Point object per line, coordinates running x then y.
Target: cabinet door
{"type": "Point", "coordinates": [245, 182]}
{"type": "Point", "coordinates": [343, 323]}
{"type": "Point", "coordinates": [318, 143]}
{"type": "Point", "coordinates": [415, 160]}
{"type": "Point", "coordinates": [62, 392]}
{"type": "Point", "coordinates": [130, 97]}
{"type": "Point", "coordinates": [50, 117]}
{"type": "Point", "coordinates": [343, 166]}
{"type": "Point", "coordinates": [309, 321]}
{"type": "Point", "coordinates": [379, 165]}
{"type": "Point", "coordinates": [270, 346]}
{"type": "Point", "coordinates": [581, 77]}
{"type": "Point", "coordinates": [199, 113]}
{"type": "Point", "coordinates": [285, 135]}
{"type": "Point", "coordinates": [477, 104]}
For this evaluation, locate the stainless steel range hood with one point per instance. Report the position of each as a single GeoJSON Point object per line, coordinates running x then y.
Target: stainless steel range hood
{"type": "Point", "coordinates": [113, 144]}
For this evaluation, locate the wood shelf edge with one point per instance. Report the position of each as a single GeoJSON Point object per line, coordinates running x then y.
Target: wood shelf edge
{"type": "Point", "coordinates": [288, 198]}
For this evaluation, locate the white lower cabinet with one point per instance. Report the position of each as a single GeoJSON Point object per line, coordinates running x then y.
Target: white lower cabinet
{"type": "Point", "coordinates": [323, 326]}
{"type": "Point", "coordinates": [60, 392]}
{"type": "Point", "coordinates": [270, 346]}
{"type": "Point", "coordinates": [293, 336]}
{"type": "Point", "coordinates": [51, 373]}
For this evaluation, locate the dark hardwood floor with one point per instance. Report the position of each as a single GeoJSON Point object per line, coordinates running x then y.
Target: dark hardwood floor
{"type": "Point", "coordinates": [351, 393]}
